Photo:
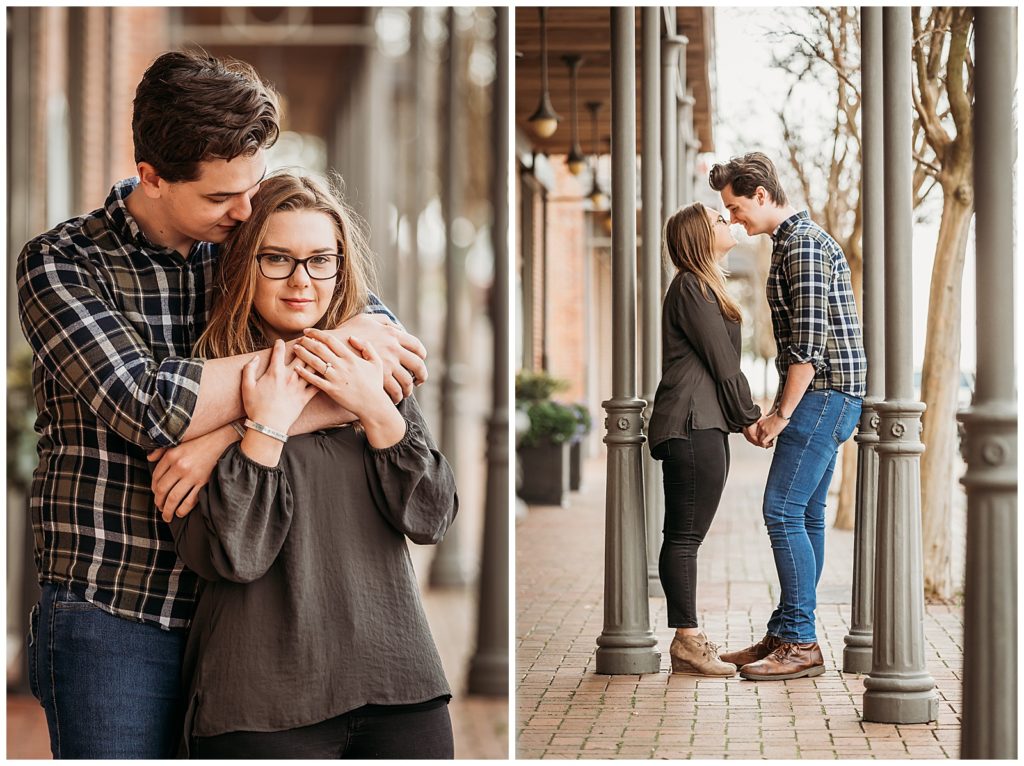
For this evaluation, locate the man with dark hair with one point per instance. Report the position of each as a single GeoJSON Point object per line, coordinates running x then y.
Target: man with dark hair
{"type": "Point", "coordinates": [112, 303]}
{"type": "Point", "coordinates": [822, 381]}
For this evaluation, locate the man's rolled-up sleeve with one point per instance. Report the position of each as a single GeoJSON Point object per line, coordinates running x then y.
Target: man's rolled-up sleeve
{"type": "Point", "coordinates": [93, 351]}
{"type": "Point", "coordinates": [809, 272]}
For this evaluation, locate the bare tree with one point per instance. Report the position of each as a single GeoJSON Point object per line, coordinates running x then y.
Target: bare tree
{"type": "Point", "coordinates": [823, 53]}
{"type": "Point", "coordinates": [944, 151]}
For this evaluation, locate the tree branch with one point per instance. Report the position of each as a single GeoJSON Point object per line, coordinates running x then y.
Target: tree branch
{"type": "Point", "coordinates": [956, 90]}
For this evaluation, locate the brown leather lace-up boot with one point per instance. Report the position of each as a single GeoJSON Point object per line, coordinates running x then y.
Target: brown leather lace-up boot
{"type": "Point", "coordinates": [785, 662]}
{"type": "Point", "coordinates": [758, 651]}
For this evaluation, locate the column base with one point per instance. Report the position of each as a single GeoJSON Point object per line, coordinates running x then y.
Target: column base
{"type": "Point", "coordinates": [488, 674]}
{"type": "Point", "coordinates": [628, 660]}
{"type": "Point", "coordinates": [900, 707]}
{"type": "Point", "coordinates": [857, 654]}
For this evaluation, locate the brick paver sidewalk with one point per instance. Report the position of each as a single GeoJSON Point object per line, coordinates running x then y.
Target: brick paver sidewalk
{"type": "Point", "coordinates": [565, 710]}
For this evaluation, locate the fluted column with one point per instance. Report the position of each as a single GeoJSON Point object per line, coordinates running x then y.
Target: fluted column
{"type": "Point", "coordinates": [488, 670]}
{"type": "Point", "coordinates": [626, 644]}
{"type": "Point", "coordinates": [449, 566]}
{"type": "Point", "coordinates": [899, 688]}
{"type": "Point", "coordinates": [857, 654]}
{"type": "Point", "coordinates": [650, 169]}
{"type": "Point", "coordinates": [418, 183]}
{"type": "Point", "coordinates": [670, 47]}
{"type": "Point", "coordinates": [990, 443]}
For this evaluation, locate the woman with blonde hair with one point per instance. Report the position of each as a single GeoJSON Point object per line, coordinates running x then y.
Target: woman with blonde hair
{"type": "Point", "coordinates": [701, 399]}
{"type": "Point", "coordinates": [309, 639]}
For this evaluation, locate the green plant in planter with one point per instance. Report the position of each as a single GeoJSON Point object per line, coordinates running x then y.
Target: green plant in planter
{"type": "Point", "coordinates": [537, 386]}
{"type": "Point", "coordinates": [550, 423]}
{"type": "Point", "coordinates": [584, 422]}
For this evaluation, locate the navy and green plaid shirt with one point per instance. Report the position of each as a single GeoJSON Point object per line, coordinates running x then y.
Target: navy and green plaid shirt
{"type": "Point", "coordinates": [814, 314]}
{"type": "Point", "coordinates": [112, 320]}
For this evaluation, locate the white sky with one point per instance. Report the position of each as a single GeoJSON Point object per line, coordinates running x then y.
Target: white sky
{"type": "Point", "coordinates": [749, 88]}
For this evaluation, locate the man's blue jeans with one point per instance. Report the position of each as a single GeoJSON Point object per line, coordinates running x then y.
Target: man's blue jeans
{"type": "Point", "coordinates": [111, 688]}
{"type": "Point", "coordinates": [794, 505]}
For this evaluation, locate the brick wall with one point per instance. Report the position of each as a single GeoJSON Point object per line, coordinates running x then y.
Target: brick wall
{"type": "Point", "coordinates": [567, 259]}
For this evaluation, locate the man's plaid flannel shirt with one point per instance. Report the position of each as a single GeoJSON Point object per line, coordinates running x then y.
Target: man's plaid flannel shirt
{"type": "Point", "coordinates": [112, 320]}
{"type": "Point", "coordinates": [814, 315]}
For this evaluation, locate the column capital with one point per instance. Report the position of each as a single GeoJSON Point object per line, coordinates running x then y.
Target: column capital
{"type": "Point", "coordinates": [625, 421]}
{"type": "Point", "coordinates": [989, 446]}
{"type": "Point", "coordinates": [899, 427]}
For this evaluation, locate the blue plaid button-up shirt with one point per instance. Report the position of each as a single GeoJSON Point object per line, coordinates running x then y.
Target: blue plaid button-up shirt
{"type": "Point", "coordinates": [814, 315]}
{"type": "Point", "coordinates": [112, 319]}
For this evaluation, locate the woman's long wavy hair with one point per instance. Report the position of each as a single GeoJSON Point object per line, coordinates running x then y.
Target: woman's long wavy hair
{"type": "Point", "coordinates": [235, 326]}
{"type": "Point", "coordinates": [689, 242]}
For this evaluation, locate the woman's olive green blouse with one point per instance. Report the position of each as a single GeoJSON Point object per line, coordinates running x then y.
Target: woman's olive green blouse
{"type": "Point", "coordinates": [701, 383]}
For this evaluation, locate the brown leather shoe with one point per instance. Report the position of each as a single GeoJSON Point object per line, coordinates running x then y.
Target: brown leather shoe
{"type": "Point", "coordinates": [785, 662]}
{"type": "Point", "coordinates": [758, 651]}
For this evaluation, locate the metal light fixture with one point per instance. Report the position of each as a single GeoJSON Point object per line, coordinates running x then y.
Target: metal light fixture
{"type": "Point", "coordinates": [545, 119]}
{"type": "Point", "coordinates": [596, 194]}
{"type": "Point", "coordinates": [576, 161]}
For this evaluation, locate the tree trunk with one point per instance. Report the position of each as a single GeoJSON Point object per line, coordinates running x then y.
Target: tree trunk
{"type": "Point", "coordinates": [847, 510]}
{"type": "Point", "coordinates": [940, 380]}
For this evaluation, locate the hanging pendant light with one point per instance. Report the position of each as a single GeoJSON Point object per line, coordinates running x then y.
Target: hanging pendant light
{"type": "Point", "coordinates": [545, 119]}
{"type": "Point", "coordinates": [596, 194]}
{"type": "Point", "coordinates": [576, 161]}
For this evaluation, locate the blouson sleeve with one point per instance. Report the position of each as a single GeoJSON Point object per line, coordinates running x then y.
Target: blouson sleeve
{"type": "Point", "coordinates": [240, 523]}
{"type": "Point", "coordinates": [808, 269]}
{"type": "Point", "coordinates": [412, 483]}
{"type": "Point", "coordinates": [702, 321]}
{"type": "Point", "coordinates": [92, 350]}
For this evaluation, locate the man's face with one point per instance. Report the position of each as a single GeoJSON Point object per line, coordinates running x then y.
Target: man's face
{"type": "Point", "coordinates": [208, 208]}
{"type": "Point", "coordinates": [752, 213]}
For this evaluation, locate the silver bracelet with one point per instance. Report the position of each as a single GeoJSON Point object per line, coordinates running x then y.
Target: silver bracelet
{"type": "Point", "coordinates": [266, 430]}
{"type": "Point", "coordinates": [239, 428]}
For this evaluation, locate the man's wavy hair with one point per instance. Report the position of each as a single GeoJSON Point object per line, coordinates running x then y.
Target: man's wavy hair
{"type": "Point", "coordinates": [745, 174]}
{"type": "Point", "coordinates": [191, 107]}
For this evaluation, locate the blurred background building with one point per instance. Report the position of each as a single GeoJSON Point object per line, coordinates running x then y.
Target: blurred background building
{"type": "Point", "coordinates": [398, 101]}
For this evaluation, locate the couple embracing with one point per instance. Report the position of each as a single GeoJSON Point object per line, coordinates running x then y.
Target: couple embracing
{"type": "Point", "coordinates": [230, 458]}
{"type": "Point", "coordinates": [703, 397]}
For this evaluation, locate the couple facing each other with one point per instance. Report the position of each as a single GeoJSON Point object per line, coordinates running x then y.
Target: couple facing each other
{"type": "Point", "coordinates": [703, 397]}
{"type": "Point", "coordinates": [277, 614]}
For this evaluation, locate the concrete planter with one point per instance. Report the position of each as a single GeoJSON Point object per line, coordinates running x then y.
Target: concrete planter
{"type": "Point", "coordinates": [545, 474]}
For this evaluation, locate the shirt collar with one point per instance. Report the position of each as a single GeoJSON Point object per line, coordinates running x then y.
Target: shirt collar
{"type": "Point", "coordinates": [787, 225]}
{"type": "Point", "coordinates": [124, 222]}
{"type": "Point", "coordinates": [117, 211]}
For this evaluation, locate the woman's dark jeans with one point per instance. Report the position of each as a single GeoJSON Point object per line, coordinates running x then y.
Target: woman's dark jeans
{"type": "Point", "coordinates": [400, 732]}
{"type": "Point", "coordinates": [694, 472]}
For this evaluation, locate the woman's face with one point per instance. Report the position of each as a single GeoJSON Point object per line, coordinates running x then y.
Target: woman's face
{"type": "Point", "coordinates": [723, 241]}
{"type": "Point", "coordinates": [288, 306]}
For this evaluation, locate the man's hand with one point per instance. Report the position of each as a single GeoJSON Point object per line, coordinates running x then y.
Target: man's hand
{"type": "Point", "coordinates": [401, 354]}
{"type": "Point", "coordinates": [770, 427]}
{"type": "Point", "coordinates": [750, 432]}
{"type": "Point", "coordinates": [182, 471]}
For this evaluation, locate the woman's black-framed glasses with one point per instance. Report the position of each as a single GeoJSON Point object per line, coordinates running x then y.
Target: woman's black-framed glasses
{"type": "Point", "coordinates": [320, 266]}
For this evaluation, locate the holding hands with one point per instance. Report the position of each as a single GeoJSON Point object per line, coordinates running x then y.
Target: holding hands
{"type": "Point", "coordinates": [279, 395]}
{"type": "Point", "coordinates": [764, 431]}
{"type": "Point", "coordinates": [273, 400]}
{"type": "Point", "coordinates": [352, 373]}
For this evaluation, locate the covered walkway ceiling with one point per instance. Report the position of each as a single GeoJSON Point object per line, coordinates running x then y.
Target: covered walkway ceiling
{"type": "Point", "coordinates": [587, 32]}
